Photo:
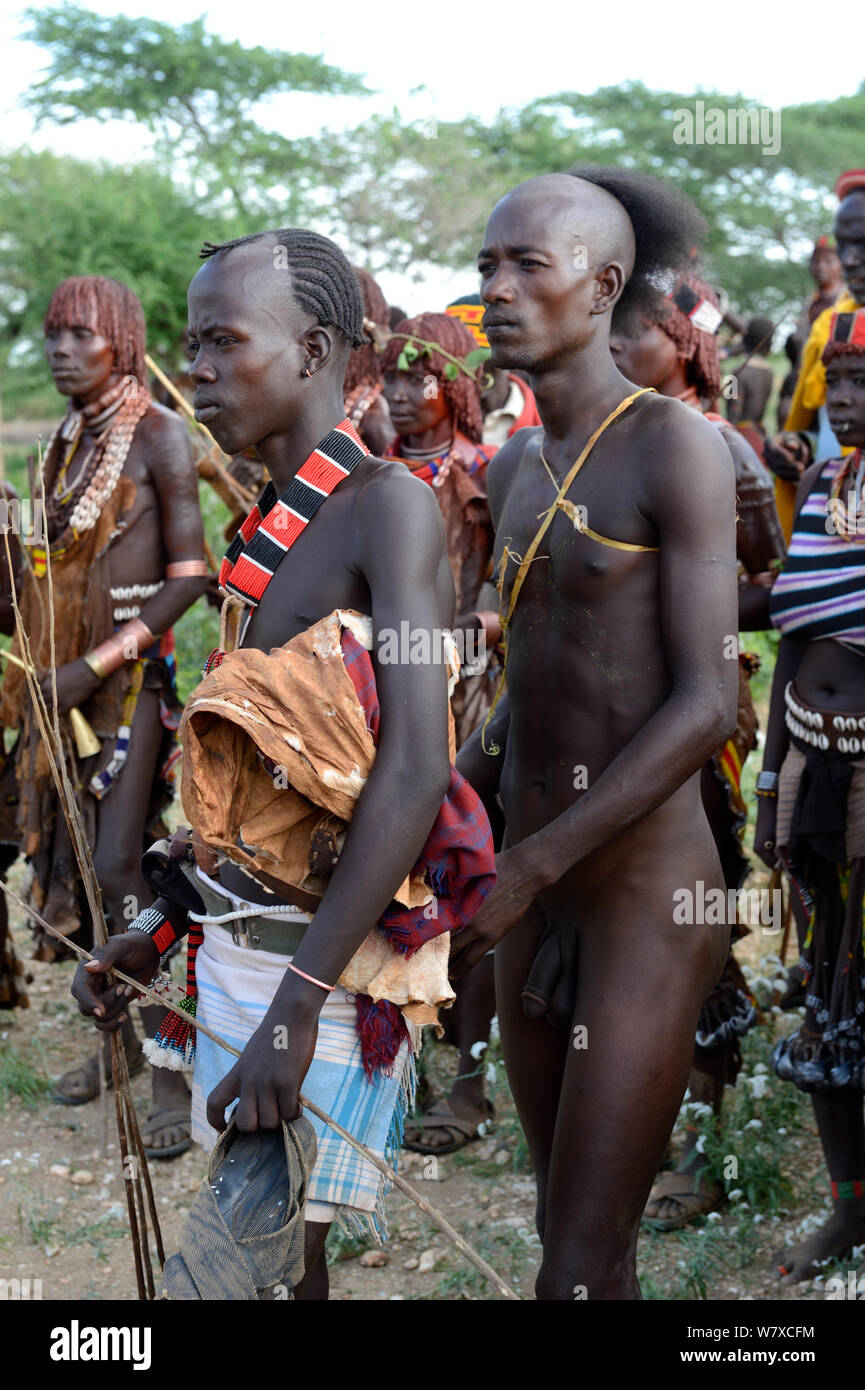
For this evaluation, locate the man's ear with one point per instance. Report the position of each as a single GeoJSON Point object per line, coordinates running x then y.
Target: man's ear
{"type": "Point", "coordinates": [318, 348]}
{"type": "Point", "coordinates": [610, 280]}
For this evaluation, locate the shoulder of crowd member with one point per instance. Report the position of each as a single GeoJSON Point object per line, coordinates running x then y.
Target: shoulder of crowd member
{"type": "Point", "coordinates": [745, 456]}
{"type": "Point", "coordinates": [166, 437]}
{"type": "Point", "coordinates": [806, 483]}
{"type": "Point", "coordinates": [505, 462]}
{"type": "Point", "coordinates": [391, 497]}
{"type": "Point", "coordinates": [683, 453]}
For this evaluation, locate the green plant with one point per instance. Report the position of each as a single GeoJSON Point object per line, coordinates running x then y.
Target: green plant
{"type": "Point", "coordinates": [21, 1075]}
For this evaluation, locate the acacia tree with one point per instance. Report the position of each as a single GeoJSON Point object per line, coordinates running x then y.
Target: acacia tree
{"type": "Point", "coordinates": [196, 92]}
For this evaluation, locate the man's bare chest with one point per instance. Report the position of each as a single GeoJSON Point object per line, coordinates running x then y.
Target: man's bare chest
{"type": "Point", "coordinates": [317, 575]}
{"type": "Point", "coordinates": [584, 555]}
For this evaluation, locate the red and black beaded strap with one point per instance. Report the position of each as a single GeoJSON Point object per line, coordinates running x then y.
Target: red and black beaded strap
{"type": "Point", "coordinates": [275, 523]}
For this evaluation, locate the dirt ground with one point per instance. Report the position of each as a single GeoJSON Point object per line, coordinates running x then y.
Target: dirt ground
{"type": "Point", "coordinates": [63, 1216]}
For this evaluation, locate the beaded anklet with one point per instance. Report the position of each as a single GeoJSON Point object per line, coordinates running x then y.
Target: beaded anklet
{"type": "Point", "coordinates": [852, 1188]}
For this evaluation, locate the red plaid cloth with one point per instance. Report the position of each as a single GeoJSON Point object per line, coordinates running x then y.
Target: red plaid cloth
{"type": "Point", "coordinates": [458, 857]}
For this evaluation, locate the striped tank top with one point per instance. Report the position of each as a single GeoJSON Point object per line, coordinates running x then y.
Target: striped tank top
{"type": "Point", "coordinates": [820, 591]}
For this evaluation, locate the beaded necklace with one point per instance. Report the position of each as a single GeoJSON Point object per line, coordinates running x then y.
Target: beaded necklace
{"type": "Point", "coordinates": [113, 419]}
{"type": "Point", "coordinates": [275, 522]}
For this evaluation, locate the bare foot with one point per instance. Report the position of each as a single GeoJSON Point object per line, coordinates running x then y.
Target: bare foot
{"type": "Point", "coordinates": [844, 1229]}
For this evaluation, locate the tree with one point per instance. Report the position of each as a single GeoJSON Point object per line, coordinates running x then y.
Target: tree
{"type": "Point", "coordinates": [193, 90]}
{"type": "Point", "coordinates": [66, 217]}
{"type": "Point", "coordinates": [422, 193]}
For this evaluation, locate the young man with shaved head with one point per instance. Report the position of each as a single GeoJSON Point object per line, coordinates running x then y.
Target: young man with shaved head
{"type": "Point", "coordinates": [622, 672]}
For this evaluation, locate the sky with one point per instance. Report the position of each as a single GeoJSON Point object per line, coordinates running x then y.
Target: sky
{"type": "Point", "coordinates": [446, 61]}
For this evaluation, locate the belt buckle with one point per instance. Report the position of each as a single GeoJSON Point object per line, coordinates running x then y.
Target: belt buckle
{"type": "Point", "coordinates": [239, 931]}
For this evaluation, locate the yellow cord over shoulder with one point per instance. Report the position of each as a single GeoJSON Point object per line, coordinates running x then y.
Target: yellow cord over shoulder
{"type": "Point", "coordinates": [531, 553]}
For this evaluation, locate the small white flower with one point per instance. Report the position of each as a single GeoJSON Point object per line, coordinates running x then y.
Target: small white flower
{"type": "Point", "coordinates": [700, 1146]}
{"type": "Point", "coordinates": [760, 1067]}
{"type": "Point", "coordinates": [735, 1194]}
{"type": "Point", "coordinates": [476, 1049]}
{"type": "Point", "coordinates": [758, 1216]}
{"type": "Point", "coordinates": [699, 1108]}
{"type": "Point", "coordinates": [759, 1086]}
{"type": "Point", "coordinates": [490, 1072]}
{"type": "Point", "coordinates": [713, 1216]}
{"type": "Point", "coordinates": [782, 1131]}
{"type": "Point", "coordinates": [754, 1124]}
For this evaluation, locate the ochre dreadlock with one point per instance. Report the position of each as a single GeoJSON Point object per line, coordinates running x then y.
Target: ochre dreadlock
{"type": "Point", "coordinates": [364, 364]}
{"type": "Point", "coordinates": [463, 393]}
{"type": "Point", "coordinates": [696, 347]}
{"type": "Point", "coordinates": [106, 307]}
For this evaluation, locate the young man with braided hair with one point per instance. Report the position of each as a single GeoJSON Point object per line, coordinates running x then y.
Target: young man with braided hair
{"type": "Point", "coordinates": [617, 695]}
{"type": "Point", "coordinates": [314, 769]}
{"type": "Point", "coordinates": [674, 351]}
{"type": "Point", "coordinates": [126, 542]}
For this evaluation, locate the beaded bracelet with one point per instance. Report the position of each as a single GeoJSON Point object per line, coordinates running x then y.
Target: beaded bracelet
{"type": "Point", "coordinates": [153, 922]}
{"type": "Point", "coordinates": [854, 1187]}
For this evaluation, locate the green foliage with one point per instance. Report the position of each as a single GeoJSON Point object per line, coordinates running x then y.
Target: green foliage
{"type": "Point", "coordinates": [507, 1252]}
{"type": "Point", "coordinates": [194, 91]}
{"type": "Point", "coordinates": [66, 217]}
{"type": "Point", "coordinates": [422, 195]}
{"type": "Point", "coordinates": [22, 1075]}
{"type": "Point", "coordinates": [758, 1117]}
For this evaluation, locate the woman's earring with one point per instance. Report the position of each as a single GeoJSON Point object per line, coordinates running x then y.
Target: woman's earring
{"type": "Point", "coordinates": [306, 371]}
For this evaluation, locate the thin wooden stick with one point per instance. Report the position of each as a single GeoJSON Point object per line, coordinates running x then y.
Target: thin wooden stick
{"type": "Point", "coordinates": [128, 1173]}
{"type": "Point", "coordinates": [144, 1167]}
{"type": "Point", "coordinates": [444, 1225]}
{"type": "Point", "coordinates": [212, 457]}
{"type": "Point", "coordinates": [53, 742]}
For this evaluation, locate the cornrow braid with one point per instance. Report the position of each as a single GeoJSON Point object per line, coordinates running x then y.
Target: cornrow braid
{"type": "Point", "coordinates": [106, 307]}
{"type": "Point", "coordinates": [463, 394]}
{"type": "Point", "coordinates": [364, 364]}
{"type": "Point", "coordinates": [322, 280]}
